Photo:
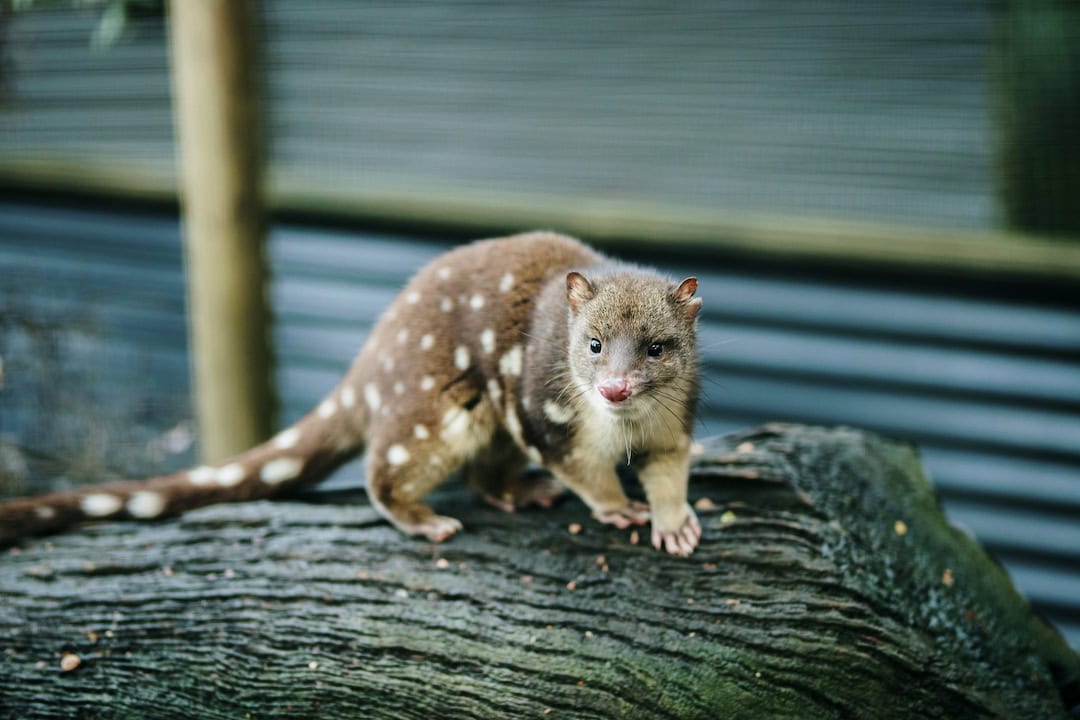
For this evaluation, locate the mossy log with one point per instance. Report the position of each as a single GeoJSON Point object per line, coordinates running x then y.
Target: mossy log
{"type": "Point", "coordinates": [827, 584]}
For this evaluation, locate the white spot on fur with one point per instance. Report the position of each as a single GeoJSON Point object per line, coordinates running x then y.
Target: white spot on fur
{"type": "Point", "coordinates": [371, 396]}
{"type": "Point", "coordinates": [399, 388]}
{"type": "Point", "coordinates": [45, 512]}
{"type": "Point", "coordinates": [476, 301]}
{"type": "Point", "coordinates": [556, 413]}
{"type": "Point", "coordinates": [513, 425]}
{"type": "Point", "coordinates": [402, 336]}
{"type": "Point", "coordinates": [388, 363]}
{"type": "Point", "coordinates": [326, 408]}
{"type": "Point", "coordinates": [427, 342]}
{"type": "Point", "coordinates": [100, 504]}
{"type": "Point", "coordinates": [434, 460]}
{"type": "Point", "coordinates": [145, 504]}
{"type": "Point", "coordinates": [421, 432]}
{"type": "Point", "coordinates": [281, 469]}
{"type": "Point", "coordinates": [526, 402]}
{"type": "Point", "coordinates": [461, 357]}
{"type": "Point", "coordinates": [230, 474]}
{"type": "Point", "coordinates": [202, 475]}
{"type": "Point", "coordinates": [510, 363]}
{"type": "Point", "coordinates": [494, 390]}
{"type": "Point", "coordinates": [412, 298]}
{"type": "Point", "coordinates": [287, 438]}
{"type": "Point", "coordinates": [397, 455]}
{"type": "Point", "coordinates": [455, 421]}
{"type": "Point", "coordinates": [348, 396]}
{"type": "Point", "coordinates": [506, 283]}
{"type": "Point", "coordinates": [444, 272]}
{"type": "Point", "coordinates": [427, 382]}
{"type": "Point", "coordinates": [534, 455]}
{"type": "Point", "coordinates": [487, 341]}
{"type": "Point", "coordinates": [446, 304]}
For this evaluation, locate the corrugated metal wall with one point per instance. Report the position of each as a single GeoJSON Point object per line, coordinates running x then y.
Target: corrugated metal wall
{"type": "Point", "coordinates": [93, 343]}
{"type": "Point", "coordinates": [66, 105]}
{"type": "Point", "coordinates": [860, 111]}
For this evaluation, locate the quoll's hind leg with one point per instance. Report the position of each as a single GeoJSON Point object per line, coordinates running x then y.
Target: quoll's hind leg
{"type": "Point", "coordinates": [407, 459]}
{"type": "Point", "coordinates": [397, 483]}
{"type": "Point", "coordinates": [499, 475]}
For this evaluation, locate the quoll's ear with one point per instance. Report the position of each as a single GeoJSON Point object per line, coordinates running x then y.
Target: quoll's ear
{"type": "Point", "coordinates": [578, 290]}
{"type": "Point", "coordinates": [684, 295]}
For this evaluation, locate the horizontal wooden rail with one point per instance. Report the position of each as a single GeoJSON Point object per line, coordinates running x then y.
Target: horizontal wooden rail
{"type": "Point", "coordinates": [907, 248]}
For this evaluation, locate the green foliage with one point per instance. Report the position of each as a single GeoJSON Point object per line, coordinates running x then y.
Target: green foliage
{"type": "Point", "coordinates": [1037, 77]}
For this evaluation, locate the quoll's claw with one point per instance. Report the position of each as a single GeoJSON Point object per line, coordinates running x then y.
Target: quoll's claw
{"type": "Point", "coordinates": [504, 504]}
{"type": "Point", "coordinates": [636, 513]}
{"type": "Point", "coordinates": [439, 528]}
{"type": "Point", "coordinates": [681, 541]}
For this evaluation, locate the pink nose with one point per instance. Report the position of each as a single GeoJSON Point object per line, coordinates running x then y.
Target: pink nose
{"type": "Point", "coordinates": [615, 389]}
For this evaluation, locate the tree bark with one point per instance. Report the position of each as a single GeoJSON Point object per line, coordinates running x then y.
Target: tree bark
{"type": "Point", "coordinates": [827, 584]}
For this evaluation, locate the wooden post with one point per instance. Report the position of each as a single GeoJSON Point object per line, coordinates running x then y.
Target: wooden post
{"type": "Point", "coordinates": [220, 157]}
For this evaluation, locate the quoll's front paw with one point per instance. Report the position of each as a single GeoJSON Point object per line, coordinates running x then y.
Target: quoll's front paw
{"type": "Point", "coordinates": [680, 540]}
{"type": "Point", "coordinates": [635, 513]}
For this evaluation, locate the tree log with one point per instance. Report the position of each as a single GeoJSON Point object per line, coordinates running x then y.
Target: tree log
{"type": "Point", "coordinates": [828, 584]}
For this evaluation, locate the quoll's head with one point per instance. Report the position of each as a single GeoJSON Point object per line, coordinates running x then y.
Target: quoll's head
{"type": "Point", "coordinates": [632, 339]}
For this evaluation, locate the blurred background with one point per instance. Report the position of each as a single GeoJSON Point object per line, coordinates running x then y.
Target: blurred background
{"type": "Point", "coordinates": [882, 202]}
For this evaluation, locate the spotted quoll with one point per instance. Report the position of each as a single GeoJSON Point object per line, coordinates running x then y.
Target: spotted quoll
{"type": "Point", "coordinates": [527, 349]}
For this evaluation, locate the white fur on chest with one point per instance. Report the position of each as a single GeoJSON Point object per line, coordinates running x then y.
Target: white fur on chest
{"type": "Point", "coordinates": [619, 435]}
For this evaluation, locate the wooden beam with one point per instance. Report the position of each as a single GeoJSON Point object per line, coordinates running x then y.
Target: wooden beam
{"type": "Point", "coordinates": [220, 157]}
{"type": "Point", "coordinates": [986, 254]}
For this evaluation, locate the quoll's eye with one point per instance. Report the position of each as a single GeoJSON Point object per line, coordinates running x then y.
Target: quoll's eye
{"type": "Point", "coordinates": [656, 350]}
{"type": "Point", "coordinates": [594, 345]}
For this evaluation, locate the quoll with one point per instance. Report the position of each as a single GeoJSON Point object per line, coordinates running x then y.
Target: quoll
{"type": "Point", "coordinates": [526, 349]}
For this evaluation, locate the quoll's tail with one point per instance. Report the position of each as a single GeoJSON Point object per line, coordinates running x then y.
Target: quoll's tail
{"type": "Point", "coordinates": [306, 452]}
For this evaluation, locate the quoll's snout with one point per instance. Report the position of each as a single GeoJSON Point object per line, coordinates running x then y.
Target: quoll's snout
{"type": "Point", "coordinates": [615, 389]}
